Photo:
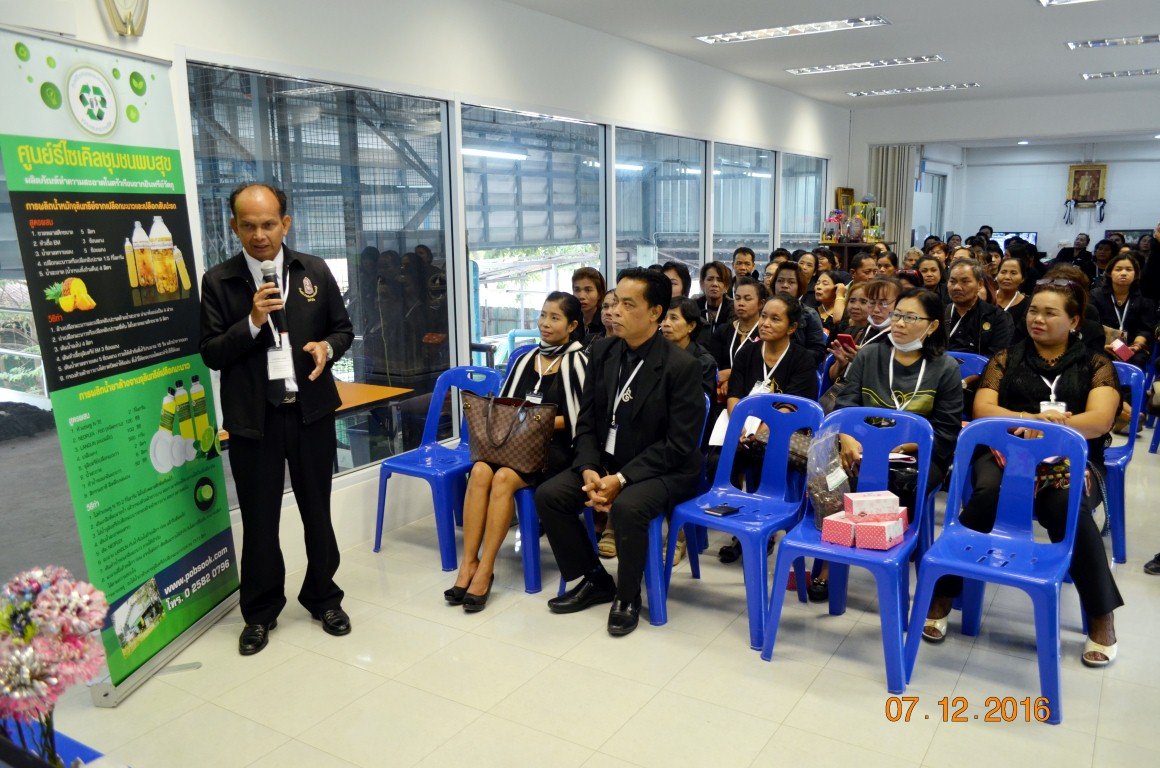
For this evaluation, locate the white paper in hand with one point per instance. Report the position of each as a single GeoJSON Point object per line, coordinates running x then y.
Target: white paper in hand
{"type": "Point", "coordinates": [717, 436]}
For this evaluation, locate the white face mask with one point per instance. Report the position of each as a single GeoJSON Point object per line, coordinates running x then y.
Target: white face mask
{"type": "Point", "coordinates": [878, 326]}
{"type": "Point", "coordinates": [910, 346]}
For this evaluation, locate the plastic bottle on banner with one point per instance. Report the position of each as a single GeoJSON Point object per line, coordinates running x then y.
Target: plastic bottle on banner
{"type": "Point", "coordinates": [161, 244]}
{"type": "Point", "coordinates": [131, 262]}
{"type": "Point", "coordinates": [184, 412]}
{"type": "Point", "coordinates": [182, 270]}
{"type": "Point", "coordinates": [160, 453]}
{"type": "Point", "coordinates": [201, 428]}
{"type": "Point", "coordinates": [142, 249]}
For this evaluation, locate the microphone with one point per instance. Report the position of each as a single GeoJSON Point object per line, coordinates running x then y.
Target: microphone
{"type": "Point", "coordinates": [278, 316]}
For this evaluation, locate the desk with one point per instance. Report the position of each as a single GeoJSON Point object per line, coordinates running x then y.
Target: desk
{"type": "Point", "coordinates": [355, 397]}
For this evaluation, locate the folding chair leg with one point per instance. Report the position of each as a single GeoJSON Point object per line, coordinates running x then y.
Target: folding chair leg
{"type": "Point", "coordinates": [384, 476]}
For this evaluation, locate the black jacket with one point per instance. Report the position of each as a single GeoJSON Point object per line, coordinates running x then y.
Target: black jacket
{"type": "Point", "coordinates": [314, 312]}
{"type": "Point", "coordinates": [984, 330]}
{"type": "Point", "coordinates": [657, 429]}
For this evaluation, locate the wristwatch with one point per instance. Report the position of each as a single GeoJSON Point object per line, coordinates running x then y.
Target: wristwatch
{"type": "Point", "coordinates": [623, 480]}
{"type": "Point", "coordinates": [329, 351]}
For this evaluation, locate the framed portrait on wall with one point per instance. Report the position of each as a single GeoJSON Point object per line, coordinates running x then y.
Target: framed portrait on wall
{"type": "Point", "coordinates": [1086, 184]}
{"type": "Point", "coordinates": [843, 197]}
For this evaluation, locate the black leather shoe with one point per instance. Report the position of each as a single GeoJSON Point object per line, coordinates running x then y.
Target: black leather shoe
{"type": "Point", "coordinates": [254, 637]}
{"type": "Point", "coordinates": [623, 617]}
{"type": "Point", "coordinates": [475, 603]}
{"type": "Point", "coordinates": [584, 595]}
{"type": "Point", "coordinates": [334, 621]}
{"type": "Point", "coordinates": [454, 595]}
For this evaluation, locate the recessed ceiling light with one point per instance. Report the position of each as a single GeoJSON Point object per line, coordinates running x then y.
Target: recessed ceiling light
{"type": "Point", "coordinates": [478, 152]}
{"type": "Point", "coordinates": [813, 28]}
{"type": "Point", "coordinates": [915, 89]}
{"type": "Point", "coordinates": [629, 167]}
{"type": "Point", "coordinates": [1157, 136]}
{"type": "Point", "coordinates": [1023, 143]}
{"type": "Point", "coordinates": [1113, 42]}
{"type": "Point", "coordinates": [900, 62]}
{"type": "Point", "coordinates": [1120, 73]}
{"type": "Point", "coordinates": [1049, 3]}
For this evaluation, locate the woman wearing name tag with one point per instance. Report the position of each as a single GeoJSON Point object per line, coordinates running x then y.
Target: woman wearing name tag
{"type": "Point", "coordinates": [1049, 377]}
{"type": "Point", "coordinates": [731, 338]}
{"type": "Point", "coordinates": [1125, 313]}
{"type": "Point", "coordinates": [774, 364]}
{"type": "Point", "coordinates": [910, 373]}
{"type": "Point", "coordinates": [554, 373]}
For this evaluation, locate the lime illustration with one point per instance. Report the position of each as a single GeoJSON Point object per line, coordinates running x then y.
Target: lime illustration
{"type": "Point", "coordinates": [51, 62]}
{"type": "Point", "coordinates": [116, 74]}
{"type": "Point", "coordinates": [137, 83]}
{"type": "Point", "coordinates": [206, 440]}
{"type": "Point", "coordinates": [22, 52]}
{"type": "Point", "coordinates": [132, 113]}
{"type": "Point", "coordinates": [30, 79]}
{"type": "Point", "coordinates": [204, 494]}
{"type": "Point", "coordinates": [50, 95]}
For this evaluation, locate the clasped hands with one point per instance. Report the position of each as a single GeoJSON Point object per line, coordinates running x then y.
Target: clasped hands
{"type": "Point", "coordinates": [1052, 417]}
{"type": "Point", "coordinates": [602, 491]}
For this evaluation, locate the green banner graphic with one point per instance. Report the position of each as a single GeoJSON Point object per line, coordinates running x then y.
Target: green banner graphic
{"type": "Point", "coordinates": [89, 148]}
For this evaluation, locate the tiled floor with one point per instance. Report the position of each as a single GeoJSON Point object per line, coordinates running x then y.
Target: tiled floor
{"type": "Point", "coordinates": [421, 683]}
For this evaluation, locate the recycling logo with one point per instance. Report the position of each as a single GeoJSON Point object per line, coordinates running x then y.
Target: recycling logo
{"type": "Point", "coordinates": [92, 101]}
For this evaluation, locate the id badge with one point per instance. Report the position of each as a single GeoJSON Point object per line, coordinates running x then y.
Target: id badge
{"type": "Point", "coordinates": [760, 388]}
{"type": "Point", "coordinates": [535, 398]}
{"type": "Point", "coordinates": [279, 364]}
{"type": "Point", "coordinates": [1052, 405]}
{"type": "Point", "coordinates": [610, 443]}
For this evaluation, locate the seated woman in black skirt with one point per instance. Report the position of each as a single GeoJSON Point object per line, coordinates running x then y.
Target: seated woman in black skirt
{"type": "Point", "coordinates": [1051, 365]}
{"type": "Point", "coordinates": [775, 365]}
{"type": "Point", "coordinates": [553, 374]}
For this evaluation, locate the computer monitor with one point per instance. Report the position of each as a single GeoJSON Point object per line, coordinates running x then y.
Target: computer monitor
{"type": "Point", "coordinates": [1002, 237]}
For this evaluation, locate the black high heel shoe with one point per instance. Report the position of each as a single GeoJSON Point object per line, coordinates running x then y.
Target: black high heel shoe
{"type": "Point", "coordinates": [475, 603]}
{"type": "Point", "coordinates": [454, 596]}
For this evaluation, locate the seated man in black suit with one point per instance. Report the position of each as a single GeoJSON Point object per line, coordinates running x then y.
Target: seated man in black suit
{"type": "Point", "coordinates": [636, 452]}
{"type": "Point", "coordinates": [972, 324]}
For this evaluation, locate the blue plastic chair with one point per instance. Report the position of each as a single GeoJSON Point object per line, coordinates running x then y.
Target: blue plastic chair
{"type": "Point", "coordinates": [891, 567]}
{"type": "Point", "coordinates": [970, 364]}
{"type": "Point", "coordinates": [775, 505]}
{"type": "Point", "coordinates": [824, 380]}
{"type": "Point", "coordinates": [445, 469]}
{"type": "Point", "coordinates": [1117, 458]}
{"type": "Point", "coordinates": [1008, 554]}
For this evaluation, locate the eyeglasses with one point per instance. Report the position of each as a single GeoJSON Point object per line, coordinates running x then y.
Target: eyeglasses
{"type": "Point", "coordinates": [1056, 282]}
{"type": "Point", "coordinates": [907, 317]}
{"type": "Point", "coordinates": [880, 303]}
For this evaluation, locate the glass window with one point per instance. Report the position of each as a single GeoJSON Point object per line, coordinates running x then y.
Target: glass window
{"type": "Point", "coordinates": [533, 189]}
{"type": "Point", "coordinates": [658, 199]}
{"type": "Point", "coordinates": [365, 175]}
{"type": "Point", "coordinates": [803, 189]}
{"type": "Point", "coordinates": [742, 201]}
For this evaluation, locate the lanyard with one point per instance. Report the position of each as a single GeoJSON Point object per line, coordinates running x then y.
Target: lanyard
{"type": "Point", "coordinates": [956, 326]}
{"type": "Point", "coordinates": [767, 371]}
{"type": "Point", "coordinates": [917, 384]}
{"type": "Point", "coordinates": [748, 337]}
{"type": "Point", "coordinates": [1121, 316]}
{"type": "Point", "coordinates": [717, 316]}
{"type": "Point", "coordinates": [1051, 385]}
{"type": "Point", "coordinates": [540, 380]}
{"type": "Point", "coordinates": [623, 390]}
{"type": "Point", "coordinates": [880, 333]}
{"type": "Point", "coordinates": [1013, 300]}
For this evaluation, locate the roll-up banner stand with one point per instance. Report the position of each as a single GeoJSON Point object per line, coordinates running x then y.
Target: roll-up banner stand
{"type": "Point", "coordinates": [88, 140]}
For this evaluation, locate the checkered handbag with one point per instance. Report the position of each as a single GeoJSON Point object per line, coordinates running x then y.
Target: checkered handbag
{"type": "Point", "coordinates": [509, 432]}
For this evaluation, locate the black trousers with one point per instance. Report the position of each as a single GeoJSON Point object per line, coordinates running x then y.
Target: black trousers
{"type": "Point", "coordinates": [560, 501]}
{"type": "Point", "coordinates": [258, 467]}
{"type": "Point", "coordinates": [1089, 563]}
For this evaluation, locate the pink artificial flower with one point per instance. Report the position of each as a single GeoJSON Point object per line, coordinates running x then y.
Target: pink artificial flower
{"type": "Point", "coordinates": [69, 607]}
{"type": "Point", "coordinates": [29, 687]}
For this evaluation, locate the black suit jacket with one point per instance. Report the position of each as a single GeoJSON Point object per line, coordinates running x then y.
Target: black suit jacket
{"type": "Point", "coordinates": [658, 429]}
{"type": "Point", "coordinates": [314, 312]}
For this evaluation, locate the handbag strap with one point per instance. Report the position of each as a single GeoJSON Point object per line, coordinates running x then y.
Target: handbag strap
{"type": "Point", "coordinates": [511, 427]}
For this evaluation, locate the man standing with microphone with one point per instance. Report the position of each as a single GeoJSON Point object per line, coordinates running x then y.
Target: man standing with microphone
{"type": "Point", "coordinates": [274, 349]}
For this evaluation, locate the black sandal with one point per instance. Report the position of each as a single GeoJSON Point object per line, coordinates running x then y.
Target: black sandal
{"type": "Point", "coordinates": [731, 552]}
{"type": "Point", "coordinates": [818, 590]}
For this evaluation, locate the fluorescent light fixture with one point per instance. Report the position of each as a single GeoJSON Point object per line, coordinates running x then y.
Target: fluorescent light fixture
{"type": "Point", "coordinates": [1023, 143]}
{"type": "Point", "coordinates": [1121, 73]}
{"type": "Point", "coordinates": [900, 62]}
{"type": "Point", "coordinates": [759, 175]}
{"type": "Point", "coordinates": [1113, 42]}
{"type": "Point", "coordinates": [629, 167]}
{"type": "Point", "coordinates": [914, 89]}
{"type": "Point", "coordinates": [495, 153]}
{"type": "Point", "coordinates": [1049, 3]}
{"type": "Point", "coordinates": [813, 28]}
{"type": "Point", "coordinates": [1157, 136]}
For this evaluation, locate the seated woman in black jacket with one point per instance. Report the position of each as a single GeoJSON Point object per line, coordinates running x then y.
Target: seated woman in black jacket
{"type": "Point", "coordinates": [680, 326]}
{"type": "Point", "coordinates": [1051, 366]}
{"type": "Point", "coordinates": [1123, 308]}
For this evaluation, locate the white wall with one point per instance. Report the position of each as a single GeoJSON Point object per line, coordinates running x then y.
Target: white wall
{"type": "Point", "coordinates": [1023, 189]}
{"type": "Point", "coordinates": [480, 52]}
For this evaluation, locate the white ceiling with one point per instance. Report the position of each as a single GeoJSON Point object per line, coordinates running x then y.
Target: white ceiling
{"type": "Point", "coordinates": [1013, 48]}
